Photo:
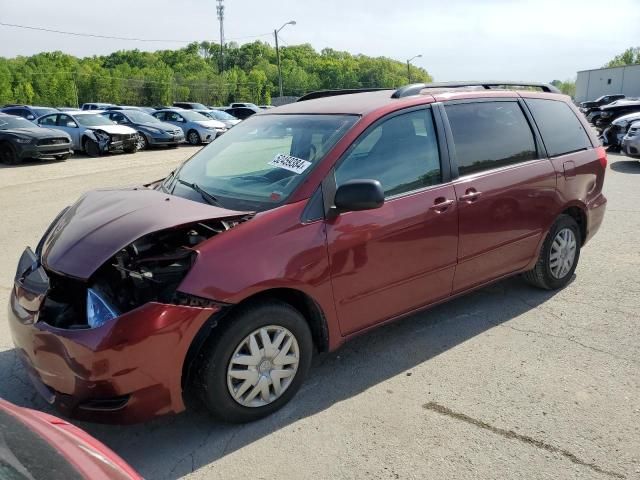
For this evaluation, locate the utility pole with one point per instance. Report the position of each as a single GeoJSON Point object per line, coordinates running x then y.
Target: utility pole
{"type": "Point", "coordinates": [409, 66]}
{"type": "Point", "coordinates": [220, 10]}
{"type": "Point", "coordinates": [275, 34]}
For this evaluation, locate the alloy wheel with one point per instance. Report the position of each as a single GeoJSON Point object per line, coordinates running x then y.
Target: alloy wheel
{"type": "Point", "coordinates": [563, 253]}
{"type": "Point", "coordinates": [263, 366]}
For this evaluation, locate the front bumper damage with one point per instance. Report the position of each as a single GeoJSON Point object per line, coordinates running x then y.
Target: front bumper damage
{"type": "Point", "coordinates": [126, 371]}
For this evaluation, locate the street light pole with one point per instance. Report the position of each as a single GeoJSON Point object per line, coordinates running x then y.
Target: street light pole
{"type": "Point", "coordinates": [409, 66]}
{"type": "Point", "coordinates": [220, 10]}
{"type": "Point", "coordinates": [275, 34]}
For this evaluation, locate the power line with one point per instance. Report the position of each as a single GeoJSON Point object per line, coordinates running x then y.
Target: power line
{"type": "Point", "coordinates": [109, 37]}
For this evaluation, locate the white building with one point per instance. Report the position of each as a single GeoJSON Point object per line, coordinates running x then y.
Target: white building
{"type": "Point", "coordinates": [592, 84]}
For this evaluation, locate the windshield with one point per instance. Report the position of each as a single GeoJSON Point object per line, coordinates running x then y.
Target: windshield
{"type": "Point", "coordinates": [193, 116]}
{"type": "Point", "coordinates": [141, 117]}
{"type": "Point", "coordinates": [9, 122]}
{"type": "Point", "coordinates": [218, 115]}
{"type": "Point", "coordinates": [43, 111]}
{"type": "Point", "coordinates": [92, 120]}
{"type": "Point", "coordinates": [258, 163]}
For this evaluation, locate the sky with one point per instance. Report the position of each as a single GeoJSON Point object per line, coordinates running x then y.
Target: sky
{"type": "Point", "coordinates": [539, 40]}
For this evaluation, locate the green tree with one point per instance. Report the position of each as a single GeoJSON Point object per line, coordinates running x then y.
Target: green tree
{"type": "Point", "coordinates": [630, 56]}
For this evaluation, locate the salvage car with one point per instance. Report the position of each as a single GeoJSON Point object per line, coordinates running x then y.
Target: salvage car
{"type": "Point", "coordinates": [228, 120]}
{"type": "Point", "coordinates": [20, 139]}
{"type": "Point", "coordinates": [609, 113]}
{"type": "Point", "coordinates": [586, 107]}
{"type": "Point", "coordinates": [38, 446]}
{"type": "Point", "coordinates": [612, 135]}
{"type": "Point", "coordinates": [151, 131]}
{"type": "Point", "coordinates": [92, 133]}
{"type": "Point", "coordinates": [224, 278]}
{"type": "Point", "coordinates": [242, 113]}
{"type": "Point", "coordinates": [28, 111]}
{"type": "Point", "coordinates": [631, 141]}
{"type": "Point", "coordinates": [197, 128]}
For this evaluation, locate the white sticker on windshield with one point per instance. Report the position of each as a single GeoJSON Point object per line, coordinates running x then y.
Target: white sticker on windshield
{"type": "Point", "coordinates": [293, 164]}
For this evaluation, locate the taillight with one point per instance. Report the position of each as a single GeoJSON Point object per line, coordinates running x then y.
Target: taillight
{"type": "Point", "coordinates": [602, 157]}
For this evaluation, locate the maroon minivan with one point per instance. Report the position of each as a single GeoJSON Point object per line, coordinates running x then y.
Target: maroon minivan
{"type": "Point", "coordinates": [301, 227]}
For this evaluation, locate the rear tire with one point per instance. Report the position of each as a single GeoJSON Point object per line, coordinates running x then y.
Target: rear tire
{"type": "Point", "coordinates": [8, 154]}
{"type": "Point", "coordinates": [558, 260]}
{"type": "Point", "coordinates": [221, 384]}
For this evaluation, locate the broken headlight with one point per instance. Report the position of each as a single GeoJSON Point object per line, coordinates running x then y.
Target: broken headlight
{"type": "Point", "coordinates": [99, 311]}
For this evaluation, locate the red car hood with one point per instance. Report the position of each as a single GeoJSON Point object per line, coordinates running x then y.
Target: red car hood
{"type": "Point", "coordinates": [103, 222]}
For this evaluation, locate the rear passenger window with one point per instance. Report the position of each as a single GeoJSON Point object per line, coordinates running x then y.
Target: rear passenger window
{"type": "Point", "coordinates": [401, 153]}
{"type": "Point", "coordinates": [490, 135]}
{"type": "Point", "coordinates": [561, 130]}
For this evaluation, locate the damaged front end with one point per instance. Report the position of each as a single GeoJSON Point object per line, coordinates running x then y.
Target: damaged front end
{"type": "Point", "coordinates": [147, 270]}
{"type": "Point", "coordinates": [96, 315]}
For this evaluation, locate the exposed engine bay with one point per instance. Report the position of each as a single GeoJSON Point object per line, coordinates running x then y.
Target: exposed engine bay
{"type": "Point", "coordinates": [147, 270]}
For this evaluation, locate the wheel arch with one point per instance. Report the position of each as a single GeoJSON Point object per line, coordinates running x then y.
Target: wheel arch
{"type": "Point", "coordinates": [579, 214]}
{"type": "Point", "coordinates": [301, 301]}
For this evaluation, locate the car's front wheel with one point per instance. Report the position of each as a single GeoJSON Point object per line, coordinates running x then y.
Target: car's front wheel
{"type": "Point", "coordinates": [559, 255]}
{"type": "Point", "coordinates": [256, 364]}
{"type": "Point", "coordinates": [193, 137]}
{"type": "Point", "coordinates": [8, 154]}
{"type": "Point", "coordinates": [91, 147]}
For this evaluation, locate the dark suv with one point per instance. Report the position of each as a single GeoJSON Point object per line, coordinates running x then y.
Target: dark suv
{"type": "Point", "coordinates": [298, 229]}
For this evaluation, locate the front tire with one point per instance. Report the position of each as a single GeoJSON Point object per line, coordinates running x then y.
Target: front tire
{"type": "Point", "coordinates": [256, 364]}
{"type": "Point", "coordinates": [8, 154]}
{"type": "Point", "coordinates": [559, 255]}
{"type": "Point", "coordinates": [193, 137]}
{"type": "Point", "coordinates": [91, 148]}
{"type": "Point", "coordinates": [143, 142]}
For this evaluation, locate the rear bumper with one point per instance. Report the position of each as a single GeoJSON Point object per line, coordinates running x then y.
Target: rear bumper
{"type": "Point", "coordinates": [595, 214]}
{"type": "Point", "coordinates": [126, 371]}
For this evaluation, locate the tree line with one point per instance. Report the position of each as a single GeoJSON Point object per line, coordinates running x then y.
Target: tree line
{"type": "Point", "coordinates": [193, 73]}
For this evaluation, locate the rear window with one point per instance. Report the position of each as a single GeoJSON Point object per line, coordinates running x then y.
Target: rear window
{"type": "Point", "coordinates": [489, 135]}
{"type": "Point", "coordinates": [561, 130]}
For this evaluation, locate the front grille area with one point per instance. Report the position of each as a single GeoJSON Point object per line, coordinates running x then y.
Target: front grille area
{"type": "Point", "coordinates": [53, 141]}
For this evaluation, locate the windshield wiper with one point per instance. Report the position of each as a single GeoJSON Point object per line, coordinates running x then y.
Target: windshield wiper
{"type": "Point", "coordinates": [211, 200]}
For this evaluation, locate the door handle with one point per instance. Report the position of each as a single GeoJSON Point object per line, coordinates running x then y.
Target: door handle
{"type": "Point", "coordinates": [442, 205]}
{"type": "Point", "coordinates": [470, 195]}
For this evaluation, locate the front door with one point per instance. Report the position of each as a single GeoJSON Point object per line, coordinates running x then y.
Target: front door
{"type": "Point", "coordinates": [394, 259]}
{"type": "Point", "coordinates": [69, 125]}
{"type": "Point", "coordinates": [505, 191]}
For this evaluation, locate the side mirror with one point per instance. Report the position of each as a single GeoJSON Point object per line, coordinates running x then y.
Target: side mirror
{"type": "Point", "coordinates": [30, 117]}
{"type": "Point", "coordinates": [356, 195]}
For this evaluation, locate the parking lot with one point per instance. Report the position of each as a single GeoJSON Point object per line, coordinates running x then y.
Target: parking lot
{"type": "Point", "coordinates": [507, 382]}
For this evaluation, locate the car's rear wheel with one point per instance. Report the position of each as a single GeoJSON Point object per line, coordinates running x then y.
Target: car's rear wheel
{"type": "Point", "coordinates": [257, 364]}
{"type": "Point", "coordinates": [91, 147]}
{"type": "Point", "coordinates": [193, 137]}
{"type": "Point", "coordinates": [559, 255]}
{"type": "Point", "coordinates": [8, 154]}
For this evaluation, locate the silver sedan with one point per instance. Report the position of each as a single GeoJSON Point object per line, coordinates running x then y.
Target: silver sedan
{"type": "Point", "coordinates": [197, 128]}
{"type": "Point", "coordinates": [631, 141]}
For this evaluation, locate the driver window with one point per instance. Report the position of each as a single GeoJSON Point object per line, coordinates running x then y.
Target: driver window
{"type": "Point", "coordinates": [401, 153]}
{"type": "Point", "coordinates": [66, 121]}
{"type": "Point", "coordinates": [118, 118]}
{"type": "Point", "coordinates": [50, 120]}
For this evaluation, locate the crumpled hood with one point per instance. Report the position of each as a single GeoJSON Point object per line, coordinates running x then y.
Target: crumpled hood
{"type": "Point", "coordinates": [114, 129]}
{"type": "Point", "coordinates": [103, 222]}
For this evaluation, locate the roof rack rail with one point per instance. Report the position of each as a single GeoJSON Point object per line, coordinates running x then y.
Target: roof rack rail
{"type": "Point", "coordinates": [414, 89]}
{"type": "Point", "coordinates": [333, 93]}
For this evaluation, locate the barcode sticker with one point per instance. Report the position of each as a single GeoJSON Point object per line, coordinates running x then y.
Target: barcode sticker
{"type": "Point", "coordinates": [293, 164]}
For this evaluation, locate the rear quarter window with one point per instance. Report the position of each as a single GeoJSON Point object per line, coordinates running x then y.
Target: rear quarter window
{"type": "Point", "coordinates": [559, 126]}
{"type": "Point", "coordinates": [490, 135]}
